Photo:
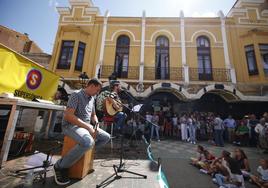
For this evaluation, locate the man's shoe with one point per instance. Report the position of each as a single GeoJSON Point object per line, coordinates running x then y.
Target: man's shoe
{"type": "Point", "coordinates": [60, 175]}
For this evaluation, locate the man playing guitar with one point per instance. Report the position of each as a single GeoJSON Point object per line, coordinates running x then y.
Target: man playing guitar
{"type": "Point", "coordinates": [109, 103]}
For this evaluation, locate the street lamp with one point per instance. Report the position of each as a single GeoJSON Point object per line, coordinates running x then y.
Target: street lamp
{"type": "Point", "coordinates": [83, 78]}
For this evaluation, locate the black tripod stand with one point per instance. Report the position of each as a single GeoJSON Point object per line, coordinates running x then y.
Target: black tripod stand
{"type": "Point", "coordinates": [46, 164]}
{"type": "Point", "coordinates": [118, 169]}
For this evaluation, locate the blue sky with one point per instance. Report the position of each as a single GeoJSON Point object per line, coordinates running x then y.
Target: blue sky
{"type": "Point", "coordinates": [39, 18]}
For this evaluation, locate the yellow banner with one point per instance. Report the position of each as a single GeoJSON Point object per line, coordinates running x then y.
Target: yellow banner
{"type": "Point", "coordinates": [24, 78]}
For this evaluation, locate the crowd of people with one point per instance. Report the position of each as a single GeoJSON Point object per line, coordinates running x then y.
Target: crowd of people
{"type": "Point", "coordinates": [192, 127]}
{"type": "Point", "coordinates": [230, 170]}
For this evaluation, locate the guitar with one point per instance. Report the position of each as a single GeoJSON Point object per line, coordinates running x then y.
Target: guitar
{"type": "Point", "coordinates": [112, 106]}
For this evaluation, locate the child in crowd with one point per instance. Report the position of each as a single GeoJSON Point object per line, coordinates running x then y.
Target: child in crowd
{"type": "Point", "coordinates": [234, 177]}
{"type": "Point", "coordinates": [201, 156]}
{"type": "Point", "coordinates": [203, 160]}
{"type": "Point", "coordinates": [262, 179]}
{"type": "Point", "coordinates": [242, 159]}
{"type": "Point", "coordinates": [205, 165]}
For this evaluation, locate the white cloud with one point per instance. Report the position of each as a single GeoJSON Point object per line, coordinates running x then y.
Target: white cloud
{"type": "Point", "coordinates": [204, 14]}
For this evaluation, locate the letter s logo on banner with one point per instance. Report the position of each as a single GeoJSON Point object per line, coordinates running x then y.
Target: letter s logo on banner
{"type": "Point", "coordinates": [34, 78]}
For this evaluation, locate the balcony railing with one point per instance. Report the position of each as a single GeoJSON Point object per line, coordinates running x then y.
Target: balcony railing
{"type": "Point", "coordinates": [171, 73]}
{"type": "Point", "coordinates": [130, 72]}
{"type": "Point", "coordinates": [219, 75]}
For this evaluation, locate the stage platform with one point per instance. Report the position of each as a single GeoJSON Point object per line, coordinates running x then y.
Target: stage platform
{"type": "Point", "coordinates": [135, 159]}
{"type": "Point", "coordinates": [174, 155]}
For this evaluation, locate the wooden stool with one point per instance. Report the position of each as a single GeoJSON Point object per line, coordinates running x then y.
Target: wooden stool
{"type": "Point", "coordinates": [82, 167]}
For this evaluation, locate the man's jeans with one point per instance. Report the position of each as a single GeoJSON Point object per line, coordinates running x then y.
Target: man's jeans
{"type": "Point", "coordinates": [219, 137]}
{"type": "Point", "coordinates": [192, 131]}
{"type": "Point", "coordinates": [155, 129]}
{"type": "Point", "coordinates": [220, 179]}
{"type": "Point", "coordinates": [85, 142]}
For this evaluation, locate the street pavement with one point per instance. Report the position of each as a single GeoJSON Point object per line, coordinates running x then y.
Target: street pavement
{"type": "Point", "coordinates": [174, 156]}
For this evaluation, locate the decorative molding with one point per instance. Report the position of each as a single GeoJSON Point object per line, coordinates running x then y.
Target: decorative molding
{"type": "Point", "coordinates": [162, 31]}
{"type": "Point", "coordinates": [63, 10]}
{"type": "Point", "coordinates": [81, 2]}
{"type": "Point", "coordinates": [174, 87]}
{"type": "Point", "coordinates": [78, 24]}
{"type": "Point", "coordinates": [123, 31]}
{"type": "Point", "coordinates": [227, 88]}
{"type": "Point", "coordinates": [162, 26]}
{"type": "Point", "coordinates": [131, 45]}
{"type": "Point", "coordinates": [243, 16]}
{"type": "Point", "coordinates": [194, 46]}
{"type": "Point", "coordinates": [264, 13]}
{"type": "Point", "coordinates": [247, 17]}
{"type": "Point", "coordinates": [203, 31]}
{"type": "Point", "coordinates": [249, 2]}
{"type": "Point", "coordinates": [123, 25]}
{"type": "Point", "coordinates": [71, 16]}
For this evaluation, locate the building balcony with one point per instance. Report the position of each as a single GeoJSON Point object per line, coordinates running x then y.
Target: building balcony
{"type": "Point", "coordinates": [171, 73]}
{"type": "Point", "coordinates": [216, 75]}
{"type": "Point", "coordinates": [130, 72]}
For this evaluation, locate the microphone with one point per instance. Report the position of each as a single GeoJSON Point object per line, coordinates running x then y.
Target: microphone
{"type": "Point", "coordinates": [123, 90]}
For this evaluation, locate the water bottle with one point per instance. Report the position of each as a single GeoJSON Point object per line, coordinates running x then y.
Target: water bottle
{"type": "Point", "coordinates": [29, 179]}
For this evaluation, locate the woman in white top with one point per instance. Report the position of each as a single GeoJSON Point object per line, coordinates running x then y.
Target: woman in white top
{"type": "Point", "coordinates": [183, 122]}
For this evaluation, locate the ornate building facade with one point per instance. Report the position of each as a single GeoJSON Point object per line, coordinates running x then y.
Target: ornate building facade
{"type": "Point", "coordinates": [187, 57]}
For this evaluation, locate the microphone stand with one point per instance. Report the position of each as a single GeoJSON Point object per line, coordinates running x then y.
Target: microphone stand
{"type": "Point", "coordinates": [120, 167]}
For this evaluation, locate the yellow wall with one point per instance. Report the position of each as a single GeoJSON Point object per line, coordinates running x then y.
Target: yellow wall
{"type": "Point", "coordinates": [240, 31]}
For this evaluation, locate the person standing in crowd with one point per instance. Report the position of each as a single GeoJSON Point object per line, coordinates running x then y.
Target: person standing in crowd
{"type": "Point", "coordinates": [148, 118]}
{"type": "Point", "coordinates": [183, 122]}
{"type": "Point", "coordinates": [218, 130]}
{"type": "Point", "coordinates": [155, 127]}
{"type": "Point", "coordinates": [176, 126]}
{"type": "Point", "coordinates": [253, 135]}
{"type": "Point", "coordinates": [259, 129]}
{"type": "Point", "coordinates": [78, 116]}
{"type": "Point", "coordinates": [230, 126]}
{"type": "Point", "coordinates": [192, 128]}
{"type": "Point", "coordinates": [241, 133]}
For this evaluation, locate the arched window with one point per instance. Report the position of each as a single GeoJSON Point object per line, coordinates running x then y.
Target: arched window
{"type": "Point", "coordinates": [204, 58]}
{"type": "Point", "coordinates": [122, 56]}
{"type": "Point", "coordinates": [162, 58]}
